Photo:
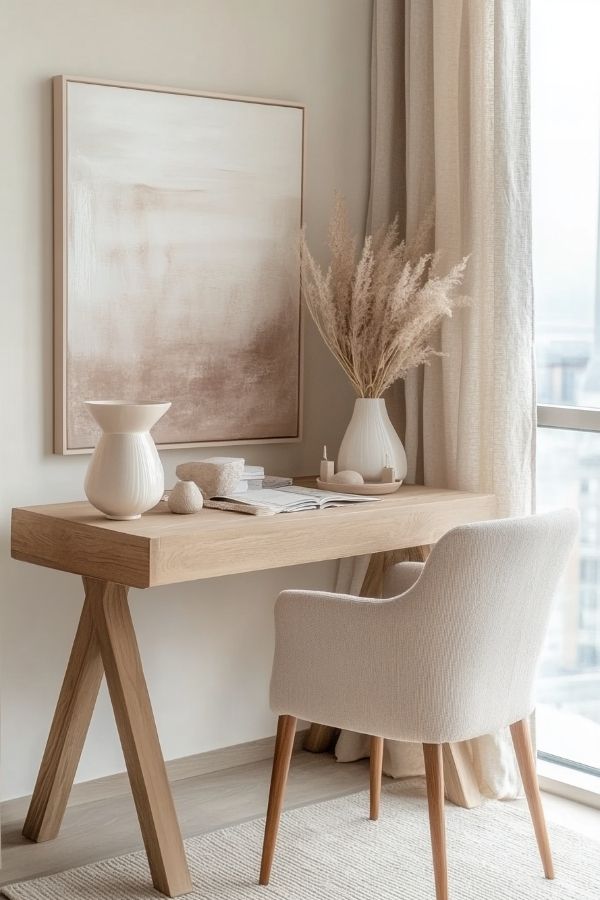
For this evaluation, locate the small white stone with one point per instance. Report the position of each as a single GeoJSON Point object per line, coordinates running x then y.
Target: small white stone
{"type": "Point", "coordinates": [185, 498]}
{"type": "Point", "coordinates": [347, 477]}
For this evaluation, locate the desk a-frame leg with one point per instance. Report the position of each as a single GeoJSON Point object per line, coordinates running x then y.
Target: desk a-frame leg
{"type": "Point", "coordinates": [67, 734]}
{"type": "Point", "coordinates": [106, 641]}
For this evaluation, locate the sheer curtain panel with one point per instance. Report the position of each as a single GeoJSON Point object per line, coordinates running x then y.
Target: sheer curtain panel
{"type": "Point", "coordinates": [450, 120]}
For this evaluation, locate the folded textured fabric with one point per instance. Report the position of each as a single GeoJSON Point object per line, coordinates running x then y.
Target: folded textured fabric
{"type": "Point", "coordinates": [215, 476]}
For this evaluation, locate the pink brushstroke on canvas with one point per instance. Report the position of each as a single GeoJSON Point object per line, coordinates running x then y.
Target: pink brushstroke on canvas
{"type": "Point", "coordinates": [183, 215]}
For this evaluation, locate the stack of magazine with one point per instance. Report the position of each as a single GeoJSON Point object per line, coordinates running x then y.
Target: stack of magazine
{"type": "Point", "coordinates": [254, 479]}
{"type": "Point", "coordinates": [269, 501]}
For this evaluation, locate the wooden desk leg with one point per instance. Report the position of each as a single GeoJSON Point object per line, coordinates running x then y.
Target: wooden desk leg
{"type": "Point", "coordinates": [139, 739]}
{"type": "Point", "coordinates": [67, 733]}
{"type": "Point", "coordinates": [459, 776]}
{"type": "Point", "coordinates": [320, 738]}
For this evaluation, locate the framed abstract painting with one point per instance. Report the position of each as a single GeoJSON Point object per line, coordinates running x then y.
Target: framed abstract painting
{"type": "Point", "coordinates": [176, 268]}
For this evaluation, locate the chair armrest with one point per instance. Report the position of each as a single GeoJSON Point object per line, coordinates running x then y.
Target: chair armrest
{"type": "Point", "coordinates": [318, 621]}
{"type": "Point", "coordinates": [327, 647]}
{"type": "Point", "coordinates": [303, 615]}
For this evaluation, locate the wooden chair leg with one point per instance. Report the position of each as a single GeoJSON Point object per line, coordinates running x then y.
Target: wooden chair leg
{"type": "Point", "coordinates": [521, 738]}
{"type": "Point", "coordinates": [434, 772]}
{"type": "Point", "coordinates": [375, 769]}
{"type": "Point", "coordinates": [284, 744]}
{"type": "Point", "coordinates": [139, 738]}
{"type": "Point", "coordinates": [68, 732]}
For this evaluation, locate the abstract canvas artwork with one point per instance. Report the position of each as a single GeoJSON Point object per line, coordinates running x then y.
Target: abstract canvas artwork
{"type": "Point", "coordinates": [177, 278]}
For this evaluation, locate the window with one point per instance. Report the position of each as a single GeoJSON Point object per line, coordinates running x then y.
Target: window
{"type": "Point", "coordinates": [565, 106]}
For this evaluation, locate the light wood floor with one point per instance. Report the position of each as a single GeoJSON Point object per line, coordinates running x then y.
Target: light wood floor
{"type": "Point", "coordinates": [104, 828]}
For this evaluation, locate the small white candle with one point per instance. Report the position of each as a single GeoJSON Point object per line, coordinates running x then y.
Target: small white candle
{"type": "Point", "coordinates": [327, 467]}
{"type": "Point", "coordinates": [388, 473]}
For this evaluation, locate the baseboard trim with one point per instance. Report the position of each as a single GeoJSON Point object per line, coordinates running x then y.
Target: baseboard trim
{"type": "Point", "coordinates": [177, 770]}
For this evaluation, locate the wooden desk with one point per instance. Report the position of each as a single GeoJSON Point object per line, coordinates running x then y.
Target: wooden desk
{"type": "Point", "coordinates": [159, 549]}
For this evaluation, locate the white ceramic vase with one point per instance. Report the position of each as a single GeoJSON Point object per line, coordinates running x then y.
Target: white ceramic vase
{"type": "Point", "coordinates": [371, 442]}
{"type": "Point", "coordinates": [125, 476]}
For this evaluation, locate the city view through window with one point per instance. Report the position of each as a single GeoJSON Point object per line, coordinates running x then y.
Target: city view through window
{"type": "Point", "coordinates": [565, 107]}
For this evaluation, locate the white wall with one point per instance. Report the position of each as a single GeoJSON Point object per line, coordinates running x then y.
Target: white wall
{"type": "Point", "coordinates": [206, 646]}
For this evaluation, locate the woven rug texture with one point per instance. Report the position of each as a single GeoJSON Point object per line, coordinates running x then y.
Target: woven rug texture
{"type": "Point", "coordinates": [331, 850]}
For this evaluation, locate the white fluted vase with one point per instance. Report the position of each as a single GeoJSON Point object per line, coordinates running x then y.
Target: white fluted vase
{"type": "Point", "coordinates": [125, 476]}
{"type": "Point", "coordinates": [371, 442]}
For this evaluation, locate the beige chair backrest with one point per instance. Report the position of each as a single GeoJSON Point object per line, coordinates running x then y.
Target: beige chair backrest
{"type": "Point", "coordinates": [477, 618]}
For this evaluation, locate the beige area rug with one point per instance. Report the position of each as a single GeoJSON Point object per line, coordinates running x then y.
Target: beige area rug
{"type": "Point", "coordinates": [331, 850]}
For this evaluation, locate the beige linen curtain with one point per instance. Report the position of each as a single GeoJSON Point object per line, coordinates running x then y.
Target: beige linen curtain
{"type": "Point", "coordinates": [450, 119]}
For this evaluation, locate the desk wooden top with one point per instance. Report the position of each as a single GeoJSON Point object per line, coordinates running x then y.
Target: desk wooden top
{"type": "Point", "coordinates": [162, 548]}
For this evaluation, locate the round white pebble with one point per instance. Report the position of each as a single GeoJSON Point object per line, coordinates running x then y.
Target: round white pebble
{"type": "Point", "coordinates": [347, 477]}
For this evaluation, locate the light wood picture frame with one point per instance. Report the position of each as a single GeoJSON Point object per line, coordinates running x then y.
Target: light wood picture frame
{"type": "Point", "coordinates": [176, 222]}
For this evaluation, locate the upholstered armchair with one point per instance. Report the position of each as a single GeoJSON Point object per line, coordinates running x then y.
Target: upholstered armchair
{"type": "Point", "coordinates": [451, 655]}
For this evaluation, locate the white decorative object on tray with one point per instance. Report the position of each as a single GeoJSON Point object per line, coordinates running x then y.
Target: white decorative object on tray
{"type": "Point", "coordinates": [215, 476]}
{"type": "Point", "coordinates": [125, 476]}
{"type": "Point", "coordinates": [346, 476]}
{"type": "Point", "coordinates": [370, 489]}
{"type": "Point", "coordinates": [371, 441]}
{"type": "Point", "coordinates": [388, 472]}
{"type": "Point", "coordinates": [185, 498]}
{"type": "Point", "coordinates": [327, 467]}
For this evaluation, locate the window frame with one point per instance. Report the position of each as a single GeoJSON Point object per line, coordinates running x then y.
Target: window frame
{"type": "Point", "coordinates": [568, 418]}
{"type": "Point", "coordinates": [556, 777]}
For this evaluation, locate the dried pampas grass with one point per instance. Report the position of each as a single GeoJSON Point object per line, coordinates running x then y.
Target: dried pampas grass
{"type": "Point", "coordinates": [377, 315]}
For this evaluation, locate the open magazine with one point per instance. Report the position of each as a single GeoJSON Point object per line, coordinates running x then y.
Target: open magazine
{"type": "Point", "coordinates": [284, 499]}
